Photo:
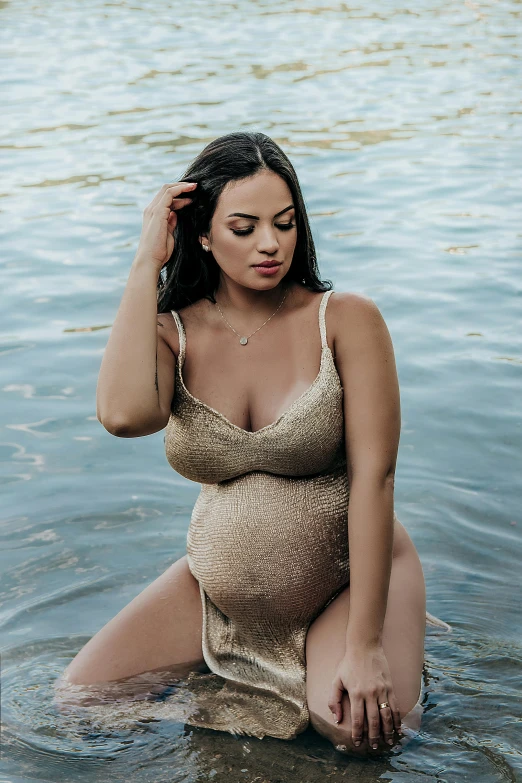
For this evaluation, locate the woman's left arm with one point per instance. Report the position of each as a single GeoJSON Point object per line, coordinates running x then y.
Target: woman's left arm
{"type": "Point", "coordinates": [366, 365]}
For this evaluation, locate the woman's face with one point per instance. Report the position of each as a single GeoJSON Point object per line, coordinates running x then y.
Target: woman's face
{"type": "Point", "coordinates": [263, 231]}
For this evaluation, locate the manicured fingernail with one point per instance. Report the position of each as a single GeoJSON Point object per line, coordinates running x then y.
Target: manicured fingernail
{"type": "Point", "coordinates": [390, 742]}
{"type": "Point", "coordinates": [374, 747]}
{"type": "Point", "coordinates": [357, 743]}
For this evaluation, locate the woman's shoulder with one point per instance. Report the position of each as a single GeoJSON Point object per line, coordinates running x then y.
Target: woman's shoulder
{"type": "Point", "coordinates": [352, 315]}
{"type": "Point", "coordinates": [350, 306]}
{"type": "Point", "coordinates": [167, 327]}
{"type": "Point", "coordinates": [351, 299]}
{"type": "Point", "coordinates": [168, 332]}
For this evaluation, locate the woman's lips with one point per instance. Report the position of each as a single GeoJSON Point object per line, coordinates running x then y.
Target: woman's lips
{"type": "Point", "coordinates": [267, 270]}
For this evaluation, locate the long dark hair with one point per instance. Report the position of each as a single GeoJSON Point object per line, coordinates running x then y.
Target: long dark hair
{"type": "Point", "coordinates": [191, 274]}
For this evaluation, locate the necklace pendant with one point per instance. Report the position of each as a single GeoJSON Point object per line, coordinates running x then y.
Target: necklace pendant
{"type": "Point", "coordinates": [243, 340]}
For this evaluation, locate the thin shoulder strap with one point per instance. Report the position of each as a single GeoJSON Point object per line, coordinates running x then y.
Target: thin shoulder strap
{"type": "Point", "coordinates": [322, 319]}
{"type": "Point", "coordinates": [181, 333]}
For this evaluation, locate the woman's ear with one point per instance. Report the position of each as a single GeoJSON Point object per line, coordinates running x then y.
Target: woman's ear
{"type": "Point", "coordinates": [203, 239]}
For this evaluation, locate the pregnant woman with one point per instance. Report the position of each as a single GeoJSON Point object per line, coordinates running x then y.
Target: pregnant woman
{"type": "Point", "coordinates": [301, 595]}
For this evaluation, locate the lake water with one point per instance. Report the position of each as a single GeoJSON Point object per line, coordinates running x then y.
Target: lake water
{"type": "Point", "coordinates": [404, 125]}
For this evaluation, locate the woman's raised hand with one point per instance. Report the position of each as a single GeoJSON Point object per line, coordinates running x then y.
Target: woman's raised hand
{"type": "Point", "coordinates": [159, 221]}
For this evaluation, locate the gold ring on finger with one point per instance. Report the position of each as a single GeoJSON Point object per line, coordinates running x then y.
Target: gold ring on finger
{"type": "Point", "coordinates": [383, 705]}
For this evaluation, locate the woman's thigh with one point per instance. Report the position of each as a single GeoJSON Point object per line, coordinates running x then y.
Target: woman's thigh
{"type": "Point", "coordinates": [403, 643]}
{"type": "Point", "coordinates": [159, 629]}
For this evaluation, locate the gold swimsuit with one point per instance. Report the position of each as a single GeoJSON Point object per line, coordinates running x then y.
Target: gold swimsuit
{"type": "Point", "coordinates": [267, 543]}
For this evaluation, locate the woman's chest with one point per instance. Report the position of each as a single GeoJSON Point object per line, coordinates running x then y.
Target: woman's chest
{"type": "Point", "coordinates": [205, 446]}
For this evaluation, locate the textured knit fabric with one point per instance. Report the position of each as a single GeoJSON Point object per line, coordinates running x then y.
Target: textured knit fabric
{"type": "Point", "coordinates": [267, 543]}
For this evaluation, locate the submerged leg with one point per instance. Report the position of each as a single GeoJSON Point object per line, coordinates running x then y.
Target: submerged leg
{"type": "Point", "coordinates": [158, 634]}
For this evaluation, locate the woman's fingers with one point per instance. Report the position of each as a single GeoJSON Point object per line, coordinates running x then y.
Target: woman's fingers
{"type": "Point", "coordinates": [395, 711]}
{"type": "Point", "coordinates": [368, 718]}
{"type": "Point", "coordinates": [173, 189]}
{"type": "Point", "coordinates": [173, 197]}
{"type": "Point", "coordinates": [335, 702]}
{"type": "Point", "coordinates": [386, 717]}
{"type": "Point", "coordinates": [160, 220]}
{"type": "Point", "coordinates": [357, 705]}
{"type": "Point", "coordinates": [159, 195]}
{"type": "Point", "coordinates": [374, 722]}
{"type": "Point", "coordinates": [172, 222]}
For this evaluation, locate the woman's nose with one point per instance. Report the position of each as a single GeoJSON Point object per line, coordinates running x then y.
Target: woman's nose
{"type": "Point", "coordinates": [267, 241]}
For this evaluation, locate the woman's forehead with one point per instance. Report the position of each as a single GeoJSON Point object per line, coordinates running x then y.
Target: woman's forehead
{"type": "Point", "coordinates": [264, 194]}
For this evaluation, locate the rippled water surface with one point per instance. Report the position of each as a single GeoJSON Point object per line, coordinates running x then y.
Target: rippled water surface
{"type": "Point", "coordinates": [404, 125]}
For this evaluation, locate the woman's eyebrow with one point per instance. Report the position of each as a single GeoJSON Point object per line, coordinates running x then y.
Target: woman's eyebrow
{"type": "Point", "coordinates": [255, 217]}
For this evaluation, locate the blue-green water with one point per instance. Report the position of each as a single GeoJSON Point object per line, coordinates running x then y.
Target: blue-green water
{"type": "Point", "coordinates": [404, 125]}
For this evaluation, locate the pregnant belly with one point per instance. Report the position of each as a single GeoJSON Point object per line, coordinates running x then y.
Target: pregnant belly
{"type": "Point", "coordinates": [271, 544]}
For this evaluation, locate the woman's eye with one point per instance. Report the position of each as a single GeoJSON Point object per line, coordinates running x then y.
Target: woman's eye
{"type": "Point", "coordinates": [243, 232]}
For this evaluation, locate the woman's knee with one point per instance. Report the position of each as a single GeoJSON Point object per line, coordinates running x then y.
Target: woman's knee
{"type": "Point", "coordinates": [161, 628]}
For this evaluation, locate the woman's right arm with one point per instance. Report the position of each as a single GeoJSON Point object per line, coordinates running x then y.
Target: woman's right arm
{"type": "Point", "coordinates": [136, 379]}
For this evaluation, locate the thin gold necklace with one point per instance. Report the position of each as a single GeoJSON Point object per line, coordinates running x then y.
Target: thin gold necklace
{"type": "Point", "coordinates": [244, 340]}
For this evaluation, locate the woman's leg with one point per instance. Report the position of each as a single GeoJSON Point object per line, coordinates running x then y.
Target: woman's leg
{"type": "Point", "coordinates": [160, 629]}
{"type": "Point", "coordinates": [403, 642]}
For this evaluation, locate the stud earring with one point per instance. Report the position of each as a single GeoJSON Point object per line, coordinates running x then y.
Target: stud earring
{"type": "Point", "coordinates": [205, 247]}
